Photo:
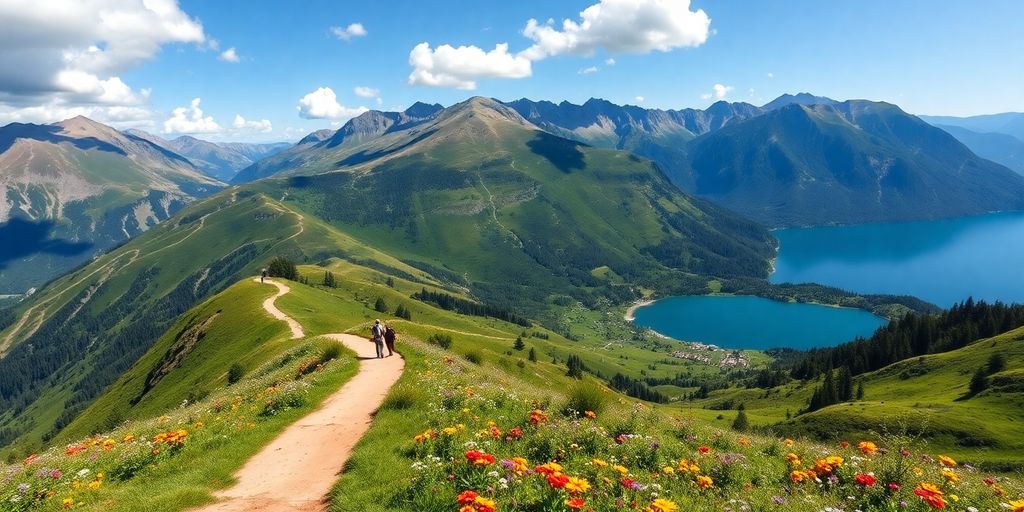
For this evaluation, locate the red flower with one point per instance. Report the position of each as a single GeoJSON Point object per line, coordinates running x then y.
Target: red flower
{"type": "Point", "coordinates": [703, 449]}
{"type": "Point", "coordinates": [628, 483]}
{"type": "Point", "coordinates": [557, 480]}
{"type": "Point", "coordinates": [844, 444]}
{"type": "Point", "coordinates": [479, 458]}
{"type": "Point", "coordinates": [621, 438]}
{"type": "Point", "coordinates": [515, 433]}
{"type": "Point", "coordinates": [864, 479]}
{"type": "Point", "coordinates": [575, 503]}
{"type": "Point", "coordinates": [894, 486]}
{"type": "Point", "coordinates": [467, 497]}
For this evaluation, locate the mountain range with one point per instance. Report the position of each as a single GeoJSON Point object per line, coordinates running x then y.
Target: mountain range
{"type": "Point", "coordinates": [471, 200]}
{"type": "Point", "coordinates": [218, 160]}
{"type": "Point", "coordinates": [74, 189]}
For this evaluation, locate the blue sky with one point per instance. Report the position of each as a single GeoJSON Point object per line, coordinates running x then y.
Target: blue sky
{"type": "Point", "coordinates": [929, 57]}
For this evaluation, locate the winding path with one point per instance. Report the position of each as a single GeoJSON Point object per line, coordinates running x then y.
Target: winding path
{"type": "Point", "coordinates": [295, 472]}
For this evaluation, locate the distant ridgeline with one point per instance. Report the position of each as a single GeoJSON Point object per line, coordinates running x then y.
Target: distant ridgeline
{"type": "Point", "coordinates": [914, 335]}
{"type": "Point", "coordinates": [452, 303]}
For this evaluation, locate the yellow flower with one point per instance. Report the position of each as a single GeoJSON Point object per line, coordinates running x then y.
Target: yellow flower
{"type": "Point", "coordinates": [662, 505]}
{"type": "Point", "coordinates": [622, 470]}
{"type": "Point", "coordinates": [1016, 506]}
{"type": "Point", "coordinates": [577, 485]}
{"type": "Point", "coordinates": [788, 442]}
{"type": "Point", "coordinates": [867, 448]}
{"type": "Point", "coordinates": [918, 471]}
{"type": "Point", "coordinates": [68, 503]}
{"type": "Point", "coordinates": [950, 476]}
{"type": "Point", "coordinates": [668, 470]}
{"type": "Point", "coordinates": [599, 463]}
{"type": "Point", "coordinates": [793, 459]}
{"type": "Point", "coordinates": [744, 441]}
{"type": "Point", "coordinates": [705, 482]}
{"type": "Point", "coordinates": [947, 461]}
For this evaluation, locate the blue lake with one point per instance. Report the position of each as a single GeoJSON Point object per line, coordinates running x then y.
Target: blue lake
{"type": "Point", "coordinates": [943, 262]}
{"type": "Point", "coordinates": [754, 322]}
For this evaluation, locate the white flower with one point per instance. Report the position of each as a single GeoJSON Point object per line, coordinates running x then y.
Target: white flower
{"type": "Point", "coordinates": [83, 473]}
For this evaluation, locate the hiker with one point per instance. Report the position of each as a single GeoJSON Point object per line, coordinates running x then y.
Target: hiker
{"type": "Point", "coordinates": [378, 338]}
{"type": "Point", "coordinates": [263, 275]}
{"type": "Point", "coordinates": [389, 338]}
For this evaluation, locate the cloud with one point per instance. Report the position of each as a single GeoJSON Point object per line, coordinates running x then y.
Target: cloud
{"type": "Point", "coordinates": [718, 92]}
{"type": "Point", "coordinates": [349, 32]}
{"type": "Point", "coordinates": [461, 67]}
{"type": "Point", "coordinates": [587, 71]}
{"type": "Point", "coordinates": [45, 44]}
{"type": "Point", "coordinates": [190, 119]}
{"type": "Point", "coordinates": [616, 26]}
{"type": "Point", "coordinates": [639, 99]}
{"type": "Point", "coordinates": [771, 75]}
{"type": "Point", "coordinates": [621, 26]}
{"type": "Point", "coordinates": [323, 104]}
{"type": "Point", "coordinates": [116, 116]}
{"type": "Point", "coordinates": [609, 61]}
{"type": "Point", "coordinates": [366, 92]}
{"type": "Point", "coordinates": [262, 126]}
{"type": "Point", "coordinates": [230, 55]}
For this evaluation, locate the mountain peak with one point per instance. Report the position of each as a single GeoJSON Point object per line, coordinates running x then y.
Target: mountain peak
{"type": "Point", "coordinates": [81, 126]}
{"type": "Point", "coordinates": [423, 110]}
{"type": "Point", "coordinates": [487, 108]}
{"type": "Point", "coordinates": [801, 98]}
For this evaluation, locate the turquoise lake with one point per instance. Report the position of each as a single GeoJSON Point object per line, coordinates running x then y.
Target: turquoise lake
{"type": "Point", "coordinates": [943, 262]}
{"type": "Point", "coordinates": [755, 323]}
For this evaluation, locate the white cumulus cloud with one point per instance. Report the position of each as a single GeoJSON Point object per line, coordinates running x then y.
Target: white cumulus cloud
{"type": "Point", "coordinates": [639, 99]}
{"type": "Point", "coordinates": [190, 119]}
{"type": "Point", "coordinates": [588, 70]}
{"type": "Point", "coordinates": [621, 26]}
{"type": "Point", "coordinates": [349, 32]}
{"type": "Point", "coordinates": [323, 104]}
{"type": "Point", "coordinates": [230, 55]}
{"type": "Point", "coordinates": [616, 26]}
{"type": "Point", "coordinates": [366, 92]}
{"type": "Point", "coordinates": [448, 66]}
{"type": "Point", "coordinates": [718, 92]}
{"type": "Point", "coordinates": [48, 46]}
{"type": "Point", "coordinates": [262, 125]}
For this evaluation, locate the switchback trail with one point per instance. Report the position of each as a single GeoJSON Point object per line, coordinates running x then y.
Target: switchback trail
{"type": "Point", "coordinates": [295, 472]}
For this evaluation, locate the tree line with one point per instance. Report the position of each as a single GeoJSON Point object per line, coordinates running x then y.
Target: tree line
{"type": "Point", "coordinates": [465, 307]}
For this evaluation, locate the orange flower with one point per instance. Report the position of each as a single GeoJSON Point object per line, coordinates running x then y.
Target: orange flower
{"type": "Point", "coordinates": [538, 417]}
{"type": "Point", "coordinates": [797, 476]}
{"type": "Point", "coordinates": [793, 459]}
{"type": "Point", "coordinates": [947, 461]}
{"type": "Point", "coordinates": [1016, 506]}
{"type": "Point", "coordinates": [478, 458]}
{"type": "Point", "coordinates": [867, 448]}
{"type": "Point", "coordinates": [864, 479]}
{"type": "Point", "coordinates": [519, 466]}
{"type": "Point", "coordinates": [827, 465]}
{"type": "Point", "coordinates": [557, 480]}
{"type": "Point", "coordinates": [662, 505]}
{"type": "Point", "coordinates": [466, 497]}
{"type": "Point", "coordinates": [575, 503]}
{"type": "Point", "coordinates": [549, 468]}
{"type": "Point", "coordinates": [931, 495]}
{"type": "Point", "coordinates": [705, 482]}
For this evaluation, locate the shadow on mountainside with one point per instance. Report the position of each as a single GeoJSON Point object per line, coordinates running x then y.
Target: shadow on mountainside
{"type": "Point", "coordinates": [50, 133]}
{"type": "Point", "coordinates": [24, 238]}
{"type": "Point", "coordinates": [562, 153]}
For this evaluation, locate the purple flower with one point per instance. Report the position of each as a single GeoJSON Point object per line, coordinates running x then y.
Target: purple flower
{"type": "Point", "coordinates": [56, 474]}
{"type": "Point", "coordinates": [507, 464]}
{"type": "Point", "coordinates": [22, 488]}
{"type": "Point", "coordinates": [778, 500]}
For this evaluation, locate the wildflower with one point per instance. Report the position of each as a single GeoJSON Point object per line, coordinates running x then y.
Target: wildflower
{"type": "Point", "coordinates": [622, 470]}
{"type": "Point", "coordinates": [827, 465]}
{"type": "Point", "coordinates": [519, 466]}
{"type": "Point", "coordinates": [947, 461]}
{"type": "Point", "coordinates": [577, 485]}
{"type": "Point", "coordinates": [31, 459]}
{"type": "Point", "coordinates": [744, 441]}
{"type": "Point", "coordinates": [931, 495]}
{"type": "Point", "coordinates": [128, 438]}
{"type": "Point", "coordinates": [621, 438]}
{"type": "Point", "coordinates": [668, 470]}
{"type": "Point", "coordinates": [478, 458]}
{"type": "Point", "coordinates": [1016, 506]}
{"type": "Point", "coordinates": [515, 433]}
{"type": "Point", "coordinates": [704, 449]}
{"type": "Point", "coordinates": [108, 444]}
{"type": "Point", "coordinates": [844, 444]}
{"type": "Point", "coordinates": [867, 448]}
{"type": "Point", "coordinates": [950, 476]}
{"type": "Point", "coordinates": [549, 468]}
{"type": "Point", "coordinates": [662, 505]}
{"type": "Point", "coordinates": [538, 417]}
{"type": "Point", "coordinates": [67, 503]}
{"type": "Point", "coordinates": [557, 480]}
{"type": "Point", "coordinates": [788, 442]}
{"type": "Point", "coordinates": [864, 479]}
{"type": "Point", "coordinates": [466, 497]}
{"type": "Point", "coordinates": [601, 463]}
{"type": "Point", "coordinates": [793, 459]}
{"type": "Point", "coordinates": [797, 476]}
{"type": "Point", "coordinates": [705, 482]}
{"type": "Point", "coordinates": [590, 414]}
{"type": "Point", "coordinates": [575, 503]}
{"type": "Point", "coordinates": [778, 500]}
{"type": "Point", "coordinates": [894, 486]}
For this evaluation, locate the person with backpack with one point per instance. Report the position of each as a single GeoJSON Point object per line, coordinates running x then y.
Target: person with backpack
{"type": "Point", "coordinates": [378, 338]}
{"type": "Point", "coordinates": [263, 275]}
{"type": "Point", "coordinates": [390, 335]}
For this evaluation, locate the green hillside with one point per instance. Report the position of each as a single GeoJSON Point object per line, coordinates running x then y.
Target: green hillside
{"type": "Point", "coordinates": [927, 397]}
{"type": "Point", "coordinates": [455, 400]}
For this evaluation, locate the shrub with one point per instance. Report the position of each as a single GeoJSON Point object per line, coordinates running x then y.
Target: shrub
{"type": "Point", "coordinates": [283, 267]}
{"type": "Point", "coordinates": [475, 357]}
{"type": "Point", "coordinates": [235, 373]}
{"type": "Point", "coordinates": [380, 306]}
{"type": "Point", "coordinates": [403, 398]}
{"type": "Point", "coordinates": [442, 340]}
{"type": "Point", "coordinates": [583, 397]}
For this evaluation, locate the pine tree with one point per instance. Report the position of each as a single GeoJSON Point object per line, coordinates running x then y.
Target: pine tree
{"type": "Point", "coordinates": [533, 355]}
{"type": "Point", "coordinates": [403, 312]}
{"type": "Point", "coordinates": [380, 306]}
{"type": "Point", "coordinates": [844, 390]}
{"type": "Point", "coordinates": [741, 424]}
{"type": "Point", "coordinates": [996, 363]}
{"type": "Point", "coordinates": [519, 345]}
{"type": "Point", "coordinates": [390, 282]}
{"type": "Point", "coordinates": [860, 390]}
{"type": "Point", "coordinates": [575, 367]}
{"type": "Point", "coordinates": [329, 280]}
{"type": "Point", "coordinates": [283, 267]}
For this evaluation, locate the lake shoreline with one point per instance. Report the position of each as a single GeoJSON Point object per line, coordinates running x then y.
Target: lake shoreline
{"type": "Point", "coordinates": [630, 315]}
